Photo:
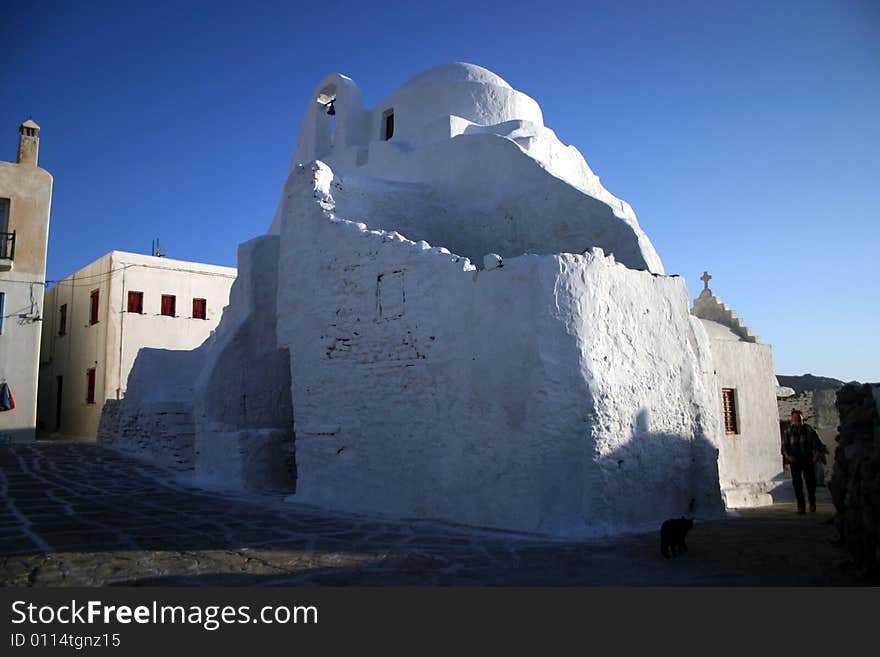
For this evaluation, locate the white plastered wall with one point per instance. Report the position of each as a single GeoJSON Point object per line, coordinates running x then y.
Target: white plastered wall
{"type": "Point", "coordinates": [530, 397]}
{"type": "Point", "coordinates": [82, 346]}
{"type": "Point", "coordinates": [111, 345]}
{"type": "Point", "coordinates": [749, 460]}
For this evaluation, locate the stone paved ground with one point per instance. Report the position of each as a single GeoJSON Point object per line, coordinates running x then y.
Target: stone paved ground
{"type": "Point", "coordinates": [78, 514]}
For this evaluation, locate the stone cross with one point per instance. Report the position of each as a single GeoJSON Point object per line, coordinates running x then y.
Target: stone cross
{"type": "Point", "coordinates": [705, 278]}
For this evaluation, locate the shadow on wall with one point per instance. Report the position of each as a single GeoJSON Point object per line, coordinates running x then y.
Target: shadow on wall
{"type": "Point", "coordinates": [456, 214]}
{"type": "Point", "coordinates": [656, 476]}
{"type": "Point", "coordinates": [154, 420]}
{"type": "Point", "coordinates": [243, 404]}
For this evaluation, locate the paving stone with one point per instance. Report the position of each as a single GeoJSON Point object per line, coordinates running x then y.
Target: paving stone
{"type": "Point", "coordinates": [112, 520]}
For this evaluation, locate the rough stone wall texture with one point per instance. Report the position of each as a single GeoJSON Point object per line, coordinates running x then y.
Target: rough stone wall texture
{"type": "Point", "coordinates": [557, 393]}
{"type": "Point", "coordinates": [819, 409]}
{"type": "Point", "coordinates": [154, 421]}
{"type": "Point", "coordinates": [855, 484]}
{"type": "Point", "coordinates": [162, 433]}
{"type": "Point", "coordinates": [802, 401]}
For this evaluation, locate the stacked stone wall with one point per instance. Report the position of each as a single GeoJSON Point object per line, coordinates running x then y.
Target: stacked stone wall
{"type": "Point", "coordinates": [802, 401]}
{"type": "Point", "coordinates": [855, 484]}
{"type": "Point", "coordinates": [161, 432]}
{"type": "Point", "coordinates": [820, 412]}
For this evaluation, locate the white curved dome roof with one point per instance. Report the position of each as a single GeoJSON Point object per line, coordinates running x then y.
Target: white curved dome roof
{"type": "Point", "coordinates": [458, 72]}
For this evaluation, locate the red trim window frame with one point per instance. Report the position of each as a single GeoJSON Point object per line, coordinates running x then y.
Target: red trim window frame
{"type": "Point", "coordinates": [731, 421]}
{"type": "Point", "coordinates": [136, 302]}
{"type": "Point", "coordinates": [169, 305]}
{"type": "Point", "coordinates": [200, 309]}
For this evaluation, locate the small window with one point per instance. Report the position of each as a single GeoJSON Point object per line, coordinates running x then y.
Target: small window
{"type": "Point", "coordinates": [136, 302]}
{"type": "Point", "coordinates": [169, 305]}
{"type": "Point", "coordinates": [200, 309]}
{"type": "Point", "coordinates": [2, 306]}
{"type": "Point", "coordinates": [388, 124]}
{"type": "Point", "coordinates": [93, 312]}
{"type": "Point", "coordinates": [731, 422]}
{"type": "Point", "coordinates": [90, 386]}
{"type": "Point", "coordinates": [4, 215]}
{"type": "Point", "coordinates": [62, 319]}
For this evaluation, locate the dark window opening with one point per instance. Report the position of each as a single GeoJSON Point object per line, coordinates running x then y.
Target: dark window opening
{"type": "Point", "coordinates": [389, 124]}
{"type": "Point", "coordinates": [90, 386]}
{"type": "Point", "coordinates": [62, 319]}
{"type": "Point", "coordinates": [169, 305]}
{"type": "Point", "coordinates": [7, 239]}
{"type": "Point", "coordinates": [59, 396]}
{"type": "Point", "coordinates": [731, 422]}
{"type": "Point", "coordinates": [93, 312]}
{"type": "Point", "coordinates": [200, 309]}
{"type": "Point", "coordinates": [4, 215]}
{"type": "Point", "coordinates": [136, 302]}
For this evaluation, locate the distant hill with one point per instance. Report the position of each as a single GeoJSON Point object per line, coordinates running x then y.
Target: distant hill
{"type": "Point", "coordinates": [809, 382]}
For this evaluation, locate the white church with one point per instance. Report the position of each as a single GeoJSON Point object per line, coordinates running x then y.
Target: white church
{"type": "Point", "coordinates": [451, 318]}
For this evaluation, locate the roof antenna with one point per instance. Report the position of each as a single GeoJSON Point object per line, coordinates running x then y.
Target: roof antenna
{"type": "Point", "coordinates": [157, 249]}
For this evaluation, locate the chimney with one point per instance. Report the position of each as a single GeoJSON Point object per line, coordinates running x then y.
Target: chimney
{"type": "Point", "coordinates": [28, 143]}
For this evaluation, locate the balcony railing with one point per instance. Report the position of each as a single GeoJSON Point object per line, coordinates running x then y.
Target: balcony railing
{"type": "Point", "coordinates": [7, 246]}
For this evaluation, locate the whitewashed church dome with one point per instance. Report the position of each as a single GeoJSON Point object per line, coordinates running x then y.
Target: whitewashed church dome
{"type": "Point", "coordinates": [459, 90]}
{"type": "Point", "coordinates": [457, 72]}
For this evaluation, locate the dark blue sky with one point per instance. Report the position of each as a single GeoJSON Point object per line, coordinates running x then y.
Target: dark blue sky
{"type": "Point", "coordinates": [744, 134]}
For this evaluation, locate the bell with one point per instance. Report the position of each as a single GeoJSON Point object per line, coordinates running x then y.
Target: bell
{"type": "Point", "coordinates": [331, 110]}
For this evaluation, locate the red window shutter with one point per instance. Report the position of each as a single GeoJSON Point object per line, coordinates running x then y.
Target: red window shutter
{"type": "Point", "coordinates": [90, 386]}
{"type": "Point", "coordinates": [168, 305]}
{"type": "Point", "coordinates": [200, 308]}
{"type": "Point", "coordinates": [93, 312]}
{"type": "Point", "coordinates": [728, 398]}
{"type": "Point", "coordinates": [136, 302]}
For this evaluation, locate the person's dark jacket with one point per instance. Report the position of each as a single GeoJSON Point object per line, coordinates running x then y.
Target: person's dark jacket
{"type": "Point", "coordinates": [801, 444]}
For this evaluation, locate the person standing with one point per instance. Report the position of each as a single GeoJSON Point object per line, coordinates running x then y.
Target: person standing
{"type": "Point", "coordinates": [800, 449]}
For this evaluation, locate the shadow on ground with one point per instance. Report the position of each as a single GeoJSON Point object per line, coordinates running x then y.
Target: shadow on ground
{"type": "Point", "coordinates": [84, 515]}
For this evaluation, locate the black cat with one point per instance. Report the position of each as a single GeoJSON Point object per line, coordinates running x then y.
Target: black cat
{"type": "Point", "coordinates": [672, 535]}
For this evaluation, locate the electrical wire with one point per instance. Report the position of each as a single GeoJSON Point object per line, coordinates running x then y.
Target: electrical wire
{"type": "Point", "coordinates": [92, 279]}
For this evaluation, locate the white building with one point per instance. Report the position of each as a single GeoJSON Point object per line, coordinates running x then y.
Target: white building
{"type": "Point", "coordinates": [25, 199]}
{"type": "Point", "coordinates": [749, 450]}
{"type": "Point", "coordinates": [452, 318]}
{"type": "Point", "coordinates": [98, 319]}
